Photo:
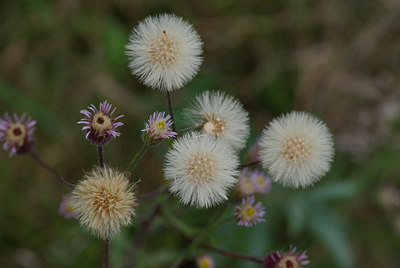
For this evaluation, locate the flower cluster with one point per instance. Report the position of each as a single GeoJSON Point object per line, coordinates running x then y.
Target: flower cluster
{"type": "Point", "coordinates": [205, 261]}
{"type": "Point", "coordinates": [253, 182]}
{"type": "Point", "coordinates": [17, 133]}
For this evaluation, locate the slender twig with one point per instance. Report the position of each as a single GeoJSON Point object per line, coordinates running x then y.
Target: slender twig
{"type": "Point", "coordinates": [146, 226]}
{"type": "Point", "coordinates": [170, 111]}
{"type": "Point", "coordinates": [106, 253]}
{"type": "Point", "coordinates": [137, 157]}
{"type": "Point", "coordinates": [232, 254]}
{"type": "Point", "coordinates": [50, 169]}
{"type": "Point", "coordinates": [249, 164]}
{"type": "Point", "coordinates": [100, 154]}
{"type": "Point", "coordinates": [206, 246]}
{"type": "Point", "coordinates": [152, 194]}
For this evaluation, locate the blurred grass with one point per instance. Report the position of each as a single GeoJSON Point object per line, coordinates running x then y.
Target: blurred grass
{"type": "Point", "coordinates": [336, 58]}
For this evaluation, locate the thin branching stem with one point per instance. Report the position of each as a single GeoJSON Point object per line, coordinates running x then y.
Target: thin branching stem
{"type": "Point", "coordinates": [137, 157]}
{"type": "Point", "coordinates": [249, 164]}
{"type": "Point", "coordinates": [100, 154]}
{"type": "Point", "coordinates": [50, 169]}
{"type": "Point", "coordinates": [171, 112]}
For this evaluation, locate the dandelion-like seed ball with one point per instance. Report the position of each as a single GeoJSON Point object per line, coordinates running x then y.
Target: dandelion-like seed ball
{"type": "Point", "coordinates": [201, 169]}
{"type": "Point", "coordinates": [17, 133]}
{"type": "Point", "coordinates": [164, 52]}
{"type": "Point", "coordinates": [221, 115]}
{"type": "Point", "coordinates": [248, 213]}
{"type": "Point", "coordinates": [290, 259]}
{"type": "Point", "coordinates": [297, 149]}
{"type": "Point", "coordinates": [104, 201]}
{"type": "Point", "coordinates": [100, 124]}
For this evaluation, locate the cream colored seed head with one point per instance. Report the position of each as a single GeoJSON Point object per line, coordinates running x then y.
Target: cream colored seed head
{"type": "Point", "coordinates": [296, 149]}
{"type": "Point", "coordinates": [101, 122]}
{"type": "Point", "coordinates": [214, 125]}
{"type": "Point", "coordinates": [16, 134]}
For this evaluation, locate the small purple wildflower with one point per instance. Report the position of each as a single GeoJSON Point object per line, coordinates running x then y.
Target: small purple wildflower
{"type": "Point", "coordinates": [158, 127]}
{"type": "Point", "coordinates": [17, 133]}
{"type": "Point", "coordinates": [261, 182]}
{"type": "Point", "coordinates": [248, 214]}
{"type": "Point", "coordinates": [290, 259]}
{"type": "Point", "coordinates": [245, 184]}
{"type": "Point", "coordinates": [67, 207]}
{"type": "Point", "coordinates": [205, 261]}
{"type": "Point", "coordinates": [99, 124]}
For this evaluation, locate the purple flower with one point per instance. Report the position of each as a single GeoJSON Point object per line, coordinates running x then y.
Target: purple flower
{"type": "Point", "coordinates": [253, 182]}
{"type": "Point", "coordinates": [158, 127]}
{"type": "Point", "coordinates": [290, 259]}
{"type": "Point", "coordinates": [261, 182]}
{"type": "Point", "coordinates": [248, 214]}
{"type": "Point", "coordinates": [205, 261]}
{"type": "Point", "coordinates": [245, 184]}
{"type": "Point", "coordinates": [17, 133]}
{"type": "Point", "coordinates": [67, 207]}
{"type": "Point", "coordinates": [99, 124]}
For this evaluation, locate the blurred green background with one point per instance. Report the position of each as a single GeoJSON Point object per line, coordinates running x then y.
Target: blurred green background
{"type": "Point", "coordinates": [339, 59]}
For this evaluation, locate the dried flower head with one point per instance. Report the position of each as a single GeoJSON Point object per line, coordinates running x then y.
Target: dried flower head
{"type": "Point", "coordinates": [248, 214]}
{"type": "Point", "coordinates": [104, 201]}
{"type": "Point", "coordinates": [297, 149]}
{"type": "Point", "coordinates": [205, 261]}
{"type": "Point", "coordinates": [158, 128]}
{"type": "Point", "coordinates": [17, 134]}
{"type": "Point", "coordinates": [67, 207]}
{"type": "Point", "coordinates": [291, 259]}
{"type": "Point", "coordinates": [202, 169]}
{"type": "Point", "coordinates": [221, 115]}
{"type": "Point", "coordinates": [99, 124]}
{"type": "Point", "coordinates": [165, 52]}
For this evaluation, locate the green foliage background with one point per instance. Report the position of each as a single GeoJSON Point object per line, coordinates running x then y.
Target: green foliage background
{"type": "Point", "coordinates": [339, 59]}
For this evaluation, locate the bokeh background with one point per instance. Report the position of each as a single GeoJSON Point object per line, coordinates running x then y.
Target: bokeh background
{"type": "Point", "coordinates": [338, 59]}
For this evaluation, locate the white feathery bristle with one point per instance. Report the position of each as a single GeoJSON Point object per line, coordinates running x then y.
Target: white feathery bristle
{"type": "Point", "coordinates": [165, 52]}
{"type": "Point", "coordinates": [296, 149]}
{"type": "Point", "coordinates": [221, 115]}
{"type": "Point", "coordinates": [201, 169]}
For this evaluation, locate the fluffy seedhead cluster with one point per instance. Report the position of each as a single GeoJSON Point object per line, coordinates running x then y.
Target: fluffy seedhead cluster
{"type": "Point", "coordinates": [201, 169]}
{"type": "Point", "coordinates": [17, 133]}
{"type": "Point", "coordinates": [104, 201]}
{"type": "Point", "coordinates": [165, 52]}
{"type": "Point", "coordinates": [221, 115]}
{"type": "Point", "coordinates": [296, 149]}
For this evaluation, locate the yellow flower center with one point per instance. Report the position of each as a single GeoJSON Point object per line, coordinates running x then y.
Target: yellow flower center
{"type": "Point", "coordinates": [161, 124]}
{"type": "Point", "coordinates": [295, 149]}
{"type": "Point", "coordinates": [214, 124]}
{"type": "Point", "coordinates": [70, 208]}
{"type": "Point", "coordinates": [164, 51]}
{"type": "Point", "coordinates": [101, 122]}
{"type": "Point", "coordinates": [205, 263]}
{"type": "Point", "coordinates": [16, 134]}
{"type": "Point", "coordinates": [288, 262]}
{"type": "Point", "coordinates": [246, 186]}
{"type": "Point", "coordinates": [248, 212]}
{"type": "Point", "coordinates": [261, 181]}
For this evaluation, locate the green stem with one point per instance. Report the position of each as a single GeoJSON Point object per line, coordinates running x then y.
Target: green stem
{"type": "Point", "coordinates": [137, 157]}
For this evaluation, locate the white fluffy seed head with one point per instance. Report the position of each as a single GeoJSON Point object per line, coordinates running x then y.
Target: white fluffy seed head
{"type": "Point", "coordinates": [221, 115]}
{"type": "Point", "coordinates": [201, 169]}
{"type": "Point", "coordinates": [104, 201]}
{"type": "Point", "coordinates": [165, 52]}
{"type": "Point", "coordinates": [297, 149]}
